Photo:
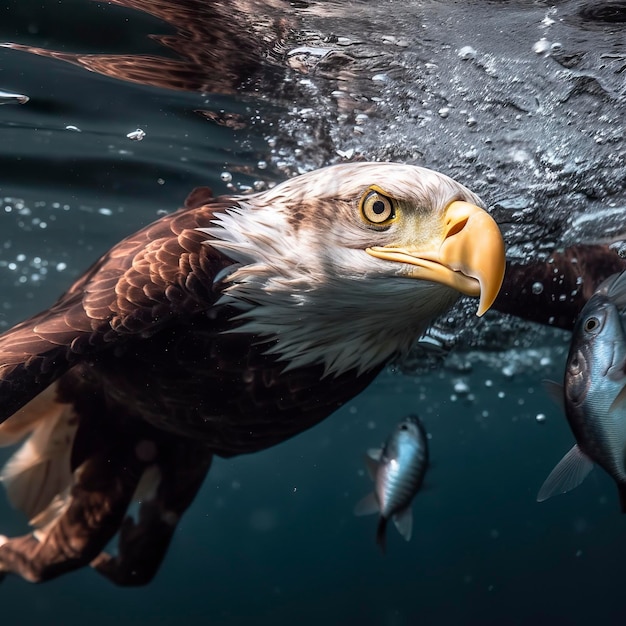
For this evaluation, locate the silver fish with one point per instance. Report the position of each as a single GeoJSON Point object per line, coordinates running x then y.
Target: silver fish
{"type": "Point", "coordinates": [398, 471]}
{"type": "Point", "coordinates": [594, 392]}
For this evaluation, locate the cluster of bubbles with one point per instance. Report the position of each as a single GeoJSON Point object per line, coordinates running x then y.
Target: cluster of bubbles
{"type": "Point", "coordinates": [247, 186]}
{"type": "Point", "coordinates": [20, 267]}
{"type": "Point", "coordinates": [31, 259]}
{"type": "Point", "coordinates": [31, 269]}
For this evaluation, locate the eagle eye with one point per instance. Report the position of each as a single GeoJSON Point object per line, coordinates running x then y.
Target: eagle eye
{"type": "Point", "coordinates": [377, 208]}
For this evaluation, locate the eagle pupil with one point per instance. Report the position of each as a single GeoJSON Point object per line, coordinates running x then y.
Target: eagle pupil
{"type": "Point", "coordinates": [378, 207]}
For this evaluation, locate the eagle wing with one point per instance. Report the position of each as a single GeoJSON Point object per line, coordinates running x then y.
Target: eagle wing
{"type": "Point", "coordinates": [162, 272]}
{"type": "Point", "coordinates": [553, 292]}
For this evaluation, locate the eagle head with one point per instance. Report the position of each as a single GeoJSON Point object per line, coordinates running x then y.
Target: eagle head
{"type": "Point", "coordinates": [345, 266]}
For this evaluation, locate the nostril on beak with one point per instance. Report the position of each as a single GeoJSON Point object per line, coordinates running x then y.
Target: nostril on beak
{"type": "Point", "coordinates": [457, 227]}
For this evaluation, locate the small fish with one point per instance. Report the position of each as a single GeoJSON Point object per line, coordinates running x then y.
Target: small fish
{"type": "Point", "coordinates": [594, 392]}
{"type": "Point", "coordinates": [398, 471]}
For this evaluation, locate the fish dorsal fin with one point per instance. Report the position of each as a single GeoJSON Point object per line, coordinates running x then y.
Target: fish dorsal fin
{"type": "Point", "coordinates": [555, 391]}
{"type": "Point", "coordinates": [569, 472]}
{"type": "Point", "coordinates": [404, 522]}
{"type": "Point", "coordinates": [367, 506]}
{"type": "Point", "coordinates": [615, 288]}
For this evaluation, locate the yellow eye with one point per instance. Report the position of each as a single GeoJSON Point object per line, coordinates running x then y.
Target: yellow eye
{"type": "Point", "coordinates": [377, 208]}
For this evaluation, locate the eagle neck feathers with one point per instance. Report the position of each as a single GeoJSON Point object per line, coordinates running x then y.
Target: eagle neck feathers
{"type": "Point", "coordinates": [315, 302]}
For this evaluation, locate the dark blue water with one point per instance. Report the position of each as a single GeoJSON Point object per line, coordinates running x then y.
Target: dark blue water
{"type": "Point", "coordinates": [271, 538]}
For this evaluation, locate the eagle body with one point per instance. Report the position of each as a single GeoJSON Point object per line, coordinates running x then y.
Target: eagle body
{"type": "Point", "coordinates": [224, 328]}
{"type": "Point", "coordinates": [174, 361]}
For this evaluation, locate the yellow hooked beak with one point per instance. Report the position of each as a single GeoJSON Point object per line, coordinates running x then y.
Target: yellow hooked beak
{"type": "Point", "coordinates": [470, 258]}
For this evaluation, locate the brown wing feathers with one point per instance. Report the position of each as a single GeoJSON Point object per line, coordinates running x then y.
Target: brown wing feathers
{"type": "Point", "coordinates": [161, 272]}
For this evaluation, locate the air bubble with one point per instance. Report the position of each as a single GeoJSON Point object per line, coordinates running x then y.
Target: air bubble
{"type": "Point", "coordinates": [461, 387]}
{"type": "Point", "coordinates": [542, 46]}
{"type": "Point", "coordinates": [466, 53]}
{"type": "Point", "coordinates": [136, 135]}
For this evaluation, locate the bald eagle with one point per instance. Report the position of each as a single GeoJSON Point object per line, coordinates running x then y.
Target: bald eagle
{"type": "Point", "coordinates": [223, 328]}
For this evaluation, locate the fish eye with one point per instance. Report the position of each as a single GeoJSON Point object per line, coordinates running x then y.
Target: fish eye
{"type": "Point", "coordinates": [376, 208]}
{"type": "Point", "coordinates": [591, 324]}
{"type": "Point", "coordinates": [404, 427]}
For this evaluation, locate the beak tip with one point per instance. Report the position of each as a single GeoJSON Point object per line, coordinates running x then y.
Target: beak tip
{"type": "Point", "coordinates": [482, 309]}
{"type": "Point", "coordinates": [483, 305]}
{"type": "Point", "coordinates": [488, 294]}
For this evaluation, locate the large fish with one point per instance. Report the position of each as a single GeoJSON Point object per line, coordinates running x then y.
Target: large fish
{"type": "Point", "coordinates": [398, 471]}
{"type": "Point", "coordinates": [593, 393]}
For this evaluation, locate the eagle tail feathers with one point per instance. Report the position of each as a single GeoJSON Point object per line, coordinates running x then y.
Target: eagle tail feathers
{"type": "Point", "coordinates": [40, 470]}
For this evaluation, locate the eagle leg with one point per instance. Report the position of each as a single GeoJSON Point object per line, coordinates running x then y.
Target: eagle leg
{"type": "Point", "coordinates": [103, 488]}
{"type": "Point", "coordinates": [142, 545]}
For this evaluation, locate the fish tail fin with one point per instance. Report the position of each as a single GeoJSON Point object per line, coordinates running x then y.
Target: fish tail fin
{"type": "Point", "coordinates": [621, 489]}
{"type": "Point", "coordinates": [381, 534]}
